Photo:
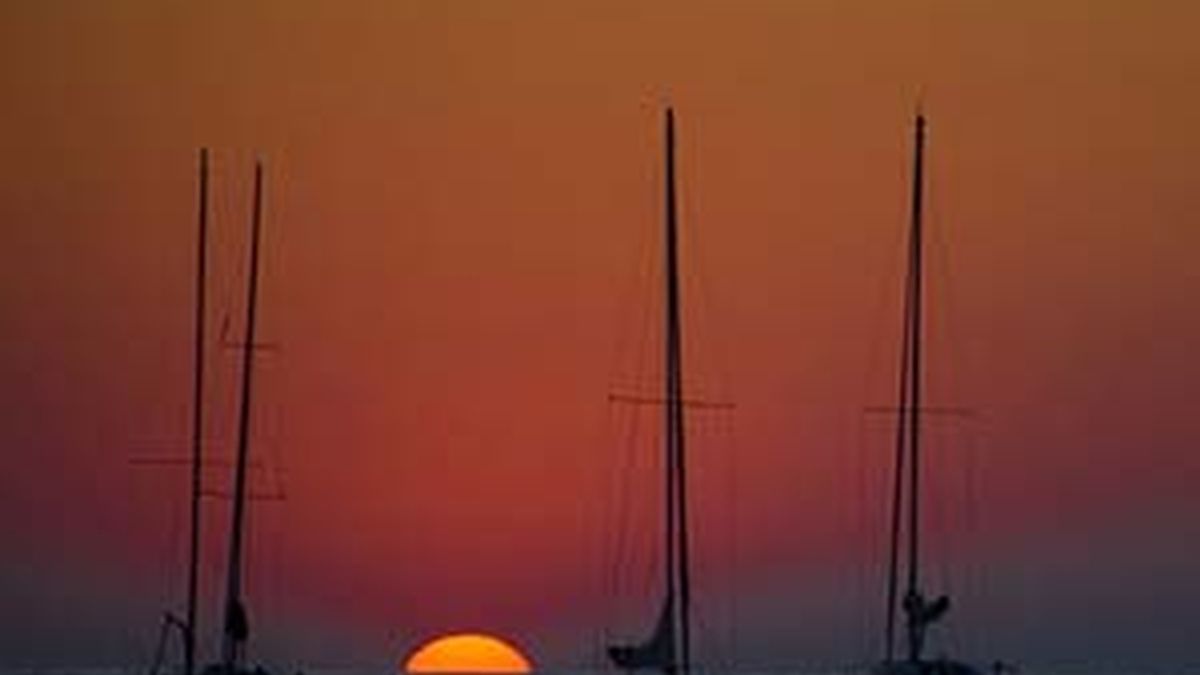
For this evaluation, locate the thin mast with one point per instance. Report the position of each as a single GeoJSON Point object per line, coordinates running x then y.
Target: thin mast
{"type": "Point", "coordinates": [914, 410]}
{"type": "Point", "coordinates": [669, 328]}
{"type": "Point", "coordinates": [908, 429]}
{"type": "Point", "coordinates": [915, 626]}
{"type": "Point", "coordinates": [674, 384]}
{"type": "Point", "coordinates": [189, 640]}
{"type": "Point", "coordinates": [898, 476]}
{"type": "Point", "coordinates": [235, 618]}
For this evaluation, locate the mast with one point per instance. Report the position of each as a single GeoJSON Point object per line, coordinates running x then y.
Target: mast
{"type": "Point", "coordinates": [669, 363]}
{"type": "Point", "coordinates": [236, 628]}
{"type": "Point", "coordinates": [668, 647]}
{"type": "Point", "coordinates": [908, 430]}
{"type": "Point", "coordinates": [676, 467]}
{"type": "Point", "coordinates": [914, 409]}
{"type": "Point", "coordinates": [189, 639]}
{"type": "Point", "coordinates": [898, 475]}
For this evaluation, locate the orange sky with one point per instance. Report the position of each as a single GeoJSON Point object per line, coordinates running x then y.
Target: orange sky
{"type": "Point", "coordinates": [463, 198]}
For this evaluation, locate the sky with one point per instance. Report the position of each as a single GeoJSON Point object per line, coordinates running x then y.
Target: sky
{"type": "Point", "coordinates": [463, 210]}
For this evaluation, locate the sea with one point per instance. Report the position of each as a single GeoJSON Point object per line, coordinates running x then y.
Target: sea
{"type": "Point", "coordinates": [1072, 668]}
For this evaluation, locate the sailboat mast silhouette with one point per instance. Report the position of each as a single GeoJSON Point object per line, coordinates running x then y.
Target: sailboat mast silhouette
{"type": "Point", "coordinates": [668, 648]}
{"type": "Point", "coordinates": [237, 629]}
{"type": "Point", "coordinates": [915, 623]}
{"type": "Point", "coordinates": [674, 408]}
{"type": "Point", "coordinates": [189, 638]}
{"type": "Point", "coordinates": [171, 622]}
{"type": "Point", "coordinates": [919, 612]}
{"type": "Point", "coordinates": [908, 430]}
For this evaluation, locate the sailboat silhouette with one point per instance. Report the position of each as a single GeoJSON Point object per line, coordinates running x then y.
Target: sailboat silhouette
{"type": "Point", "coordinates": [236, 621]}
{"type": "Point", "coordinates": [667, 649]}
{"type": "Point", "coordinates": [920, 612]}
{"type": "Point", "coordinates": [186, 626]}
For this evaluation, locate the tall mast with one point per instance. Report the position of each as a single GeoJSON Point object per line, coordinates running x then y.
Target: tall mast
{"type": "Point", "coordinates": [235, 618]}
{"type": "Point", "coordinates": [898, 474]}
{"type": "Point", "coordinates": [669, 360]}
{"type": "Point", "coordinates": [677, 475]}
{"type": "Point", "coordinates": [908, 427]}
{"type": "Point", "coordinates": [189, 639]}
{"type": "Point", "coordinates": [914, 410]}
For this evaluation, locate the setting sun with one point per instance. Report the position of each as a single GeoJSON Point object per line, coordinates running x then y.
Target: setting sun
{"type": "Point", "coordinates": [467, 653]}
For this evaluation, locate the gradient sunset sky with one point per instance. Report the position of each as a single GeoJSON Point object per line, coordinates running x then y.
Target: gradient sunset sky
{"type": "Point", "coordinates": [463, 211]}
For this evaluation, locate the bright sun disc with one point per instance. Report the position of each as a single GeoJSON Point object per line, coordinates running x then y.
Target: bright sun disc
{"type": "Point", "coordinates": [467, 653]}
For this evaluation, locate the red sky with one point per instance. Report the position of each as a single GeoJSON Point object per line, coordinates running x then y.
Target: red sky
{"type": "Point", "coordinates": [463, 201]}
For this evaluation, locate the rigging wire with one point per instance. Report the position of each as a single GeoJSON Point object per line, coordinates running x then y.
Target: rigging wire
{"type": "Point", "coordinates": [711, 432]}
{"type": "Point", "coordinates": [643, 436]}
{"type": "Point", "coordinates": [871, 464]}
{"type": "Point", "coordinates": [618, 526]}
{"type": "Point", "coordinates": [959, 443]}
